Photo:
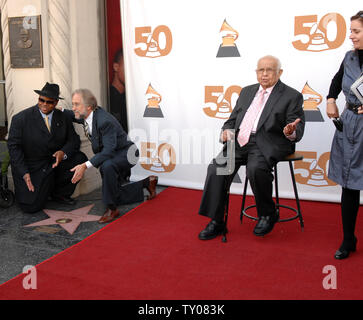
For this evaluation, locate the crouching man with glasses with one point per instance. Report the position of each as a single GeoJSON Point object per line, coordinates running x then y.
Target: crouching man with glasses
{"type": "Point", "coordinates": [43, 148]}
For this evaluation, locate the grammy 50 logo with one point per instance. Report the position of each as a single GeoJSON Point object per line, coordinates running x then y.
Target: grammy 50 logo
{"type": "Point", "coordinates": [219, 102]}
{"type": "Point", "coordinates": [319, 34]}
{"type": "Point", "coordinates": [160, 159]}
{"type": "Point", "coordinates": [153, 43]}
{"type": "Point", "coordinates": [312, 170]}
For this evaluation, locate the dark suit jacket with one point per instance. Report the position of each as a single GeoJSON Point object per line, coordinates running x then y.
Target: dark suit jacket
{"type": "Point", "coordinates": [109, 139]}
{"type": "Point", "coordinates": [31, 146]}
{"type": "Point", "coordinates": [284, 106]}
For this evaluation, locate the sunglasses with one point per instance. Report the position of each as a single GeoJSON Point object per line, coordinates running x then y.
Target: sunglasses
{"type": "Point", "coordinates": [48, 102]}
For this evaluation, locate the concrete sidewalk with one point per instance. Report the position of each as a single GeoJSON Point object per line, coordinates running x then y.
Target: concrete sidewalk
{"type": "Point", "coordinates": [21, 247]}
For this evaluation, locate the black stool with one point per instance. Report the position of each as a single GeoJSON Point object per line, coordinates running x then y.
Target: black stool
{"type": "Point", "coordinates": [292, 157]}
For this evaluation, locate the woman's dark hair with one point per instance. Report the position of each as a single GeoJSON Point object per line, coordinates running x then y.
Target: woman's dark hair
{"type": "Point", "coordinates": [358, 16]}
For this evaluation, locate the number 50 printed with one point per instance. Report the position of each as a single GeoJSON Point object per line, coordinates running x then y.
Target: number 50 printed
{"type": "Point", "coordinates": [317, 35]}
{"type": "Point", "coordinates": [153, 43]}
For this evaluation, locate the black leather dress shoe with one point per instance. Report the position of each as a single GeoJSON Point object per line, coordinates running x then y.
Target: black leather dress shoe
{"type": "Point", "coordinates": [344, 251]}
{"type": "Point", "coordinates": [264, 225]}
{"type": "Point", "coordinates": [64, 200]}
{"type": "Point", "coordinates": [212, 230]}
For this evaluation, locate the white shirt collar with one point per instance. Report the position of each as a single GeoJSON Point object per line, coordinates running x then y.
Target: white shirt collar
{"type": "Point", "coordinates": [89, 119]}
{"type": "Point", "coordinates": [50, 115]}
{"type": "Point", "coordinates": [268, 90]}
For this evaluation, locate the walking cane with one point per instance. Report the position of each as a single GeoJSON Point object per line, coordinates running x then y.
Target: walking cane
{"type": "Point", "coordinates": [230, 168]}
{"type": "Point", "coordinates": [224, 238]}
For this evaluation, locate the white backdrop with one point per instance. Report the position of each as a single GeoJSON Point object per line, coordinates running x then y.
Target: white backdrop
{"type": "Point", "coordinates": [182, 82]}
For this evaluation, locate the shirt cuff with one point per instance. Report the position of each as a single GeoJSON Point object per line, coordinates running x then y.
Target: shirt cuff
{"type": "Point", "coordinates": [89, 164]}
{"type": "Point", "coordinates": [292, 137]}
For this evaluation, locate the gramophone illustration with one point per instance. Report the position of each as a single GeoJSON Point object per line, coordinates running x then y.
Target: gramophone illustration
{"type": "Point", "coordinates": [153, 109]}
{"type": "Point", "coordinates": [219, 100]}
{"type": "Point", "coordinates": [317, 176]}
{"type": "Point", "coordinates": [153, 43]}
{"type": "Point", "coordinates": [228, 47]}
{"type": "Point", "coordinates": [313, 170]}
{"type": "Point", "coordinates": [316, 35]}
{"type": "Point", "coordinates": [222, 109]}
{"type": "Point", "coordinates": [317, 41]}
{"type": "Point", "coordinates": [311, 101]}
{"type": "Point", "coordinates": [160, 160]}
{"type": "Point", "coordinates": [153, 50]}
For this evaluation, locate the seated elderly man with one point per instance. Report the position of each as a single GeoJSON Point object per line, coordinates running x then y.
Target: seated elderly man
{"type": "Point", "coordinates": [268, 120]}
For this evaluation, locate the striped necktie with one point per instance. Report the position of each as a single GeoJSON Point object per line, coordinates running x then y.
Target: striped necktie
{"type": "Point", "coordinates": [86, 130]}
{"type": "Point", "coordinates": [47, 122]}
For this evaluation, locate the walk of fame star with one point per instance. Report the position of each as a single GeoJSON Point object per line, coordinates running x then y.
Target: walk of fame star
{"type": "Point", "coordinates": [69, 221]}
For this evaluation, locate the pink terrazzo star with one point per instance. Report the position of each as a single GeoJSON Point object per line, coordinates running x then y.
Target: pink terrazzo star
{"type": "Point", "coordinates": [69, 221]}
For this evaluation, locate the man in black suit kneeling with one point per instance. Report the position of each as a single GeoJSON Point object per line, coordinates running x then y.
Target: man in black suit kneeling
{"type": "Point", "coordinates": [43, 147]}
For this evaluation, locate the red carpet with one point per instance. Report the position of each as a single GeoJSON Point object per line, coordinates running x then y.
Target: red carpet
{"type": "Point", "coordinates": [153, 253]}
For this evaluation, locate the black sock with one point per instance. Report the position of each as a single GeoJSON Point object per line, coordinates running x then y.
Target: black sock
{"type": "Point", "coordinates": [112, 207]}
{"type": "Point", "coordinates": [145, 182]}
{"type": "Point", "coordinates": [349, 206]}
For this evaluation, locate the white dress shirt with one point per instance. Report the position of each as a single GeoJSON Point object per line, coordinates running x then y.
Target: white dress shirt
{"type": "Point", "coordinates": [89, 121]}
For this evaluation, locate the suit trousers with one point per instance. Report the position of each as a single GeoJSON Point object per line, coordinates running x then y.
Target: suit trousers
{"type": "Point", "coordinates": [56, 183]}
{"type": "Point", "coordinates": [115, 190]}
{"type": "Point", "coordinates": [259, 173]}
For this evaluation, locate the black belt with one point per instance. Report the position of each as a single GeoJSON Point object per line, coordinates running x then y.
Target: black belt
{"type": "Point", "coordinates": [353, 107]}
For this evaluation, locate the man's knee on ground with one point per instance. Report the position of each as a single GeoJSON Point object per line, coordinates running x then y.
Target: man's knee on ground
{"type": "Point", "coordinates": [30, 208]}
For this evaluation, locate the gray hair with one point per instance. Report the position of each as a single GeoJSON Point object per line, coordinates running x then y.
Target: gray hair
{"type": "Point", "coordinates": [88, 98]}
{"type": "Point", "coordinates": [278, 62]}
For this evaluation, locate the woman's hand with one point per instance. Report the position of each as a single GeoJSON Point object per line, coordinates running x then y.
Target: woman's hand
{"type": "Point", "coordinates": [332, 109]}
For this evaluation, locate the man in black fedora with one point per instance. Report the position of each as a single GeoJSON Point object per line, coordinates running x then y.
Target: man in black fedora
{"type": "Point", "coordinates": [43, 147]}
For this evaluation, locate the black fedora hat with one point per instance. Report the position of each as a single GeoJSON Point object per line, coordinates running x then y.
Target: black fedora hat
{"type": "Point", "coordinates": [50, 90]}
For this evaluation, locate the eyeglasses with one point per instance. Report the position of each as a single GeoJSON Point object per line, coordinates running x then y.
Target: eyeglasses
{"type": "Point", "coordinates": [268, 71]}
{"type": "Point", "coordinates": [48, 102]}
